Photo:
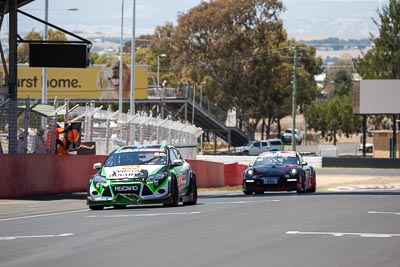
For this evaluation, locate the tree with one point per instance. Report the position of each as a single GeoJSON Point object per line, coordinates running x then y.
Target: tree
{"type": "Point", "coordinates": [56, 35]}
{"type": "Point", "coordinates": [333, 118]}
{"type": "Point", "coordinates": [244, 55]}
{"type": "Point", "coordinates": [236, 49]}
{"type": "Point", "coordinates": [343, 83]}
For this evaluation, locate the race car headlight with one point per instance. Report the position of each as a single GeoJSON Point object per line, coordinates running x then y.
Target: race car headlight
{"type": "Point", "coordinates": [159, 178]}
{"type": "Point", "coordinates": [250, 173]}
{"type": "Point", "coordinates": [98, 180]}
{"type": "Point", "coordinates": [142, 175]}
{"type": "Point", "coordinates": [294, 172]}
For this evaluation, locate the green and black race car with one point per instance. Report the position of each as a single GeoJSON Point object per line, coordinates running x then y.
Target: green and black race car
{"type": "Point", "coordinates": [150, 174]}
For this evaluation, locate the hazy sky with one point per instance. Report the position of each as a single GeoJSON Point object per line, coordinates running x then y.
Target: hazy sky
{"type": "Point", "coordinates": [302, 17]}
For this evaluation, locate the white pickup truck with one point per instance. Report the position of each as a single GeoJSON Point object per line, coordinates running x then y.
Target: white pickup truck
{"type": "Point", "coordinates": [254, 148]}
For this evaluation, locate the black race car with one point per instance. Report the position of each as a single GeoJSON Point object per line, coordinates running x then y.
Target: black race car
{"type": "Point", "coordinates": [279, 171]}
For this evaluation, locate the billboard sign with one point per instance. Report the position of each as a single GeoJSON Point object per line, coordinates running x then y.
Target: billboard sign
{"type": "Point", "coordinates": [99, 82]}
{"type": "Point", "coordinates": [377, 97]}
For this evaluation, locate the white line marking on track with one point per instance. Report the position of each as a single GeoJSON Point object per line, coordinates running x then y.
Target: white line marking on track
{"type": "Point", "coordinates": [7, 238]}
{"type": "Point", "coordinates": [242, 202]}
{"type": "Point", "coordinates": [142, 215]}
{"type": "Point", "coordinates": [41, 215]}
{"type": "Point", "coordinates": [338, 234]}
{"type": "Point", "coordinates": [365, 187]}
{"type": "Point", "coordinates": [384, 212]}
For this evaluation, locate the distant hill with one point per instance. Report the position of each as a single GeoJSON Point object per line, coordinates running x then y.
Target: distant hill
{"type": "Point", "coordinates": [336, 44]}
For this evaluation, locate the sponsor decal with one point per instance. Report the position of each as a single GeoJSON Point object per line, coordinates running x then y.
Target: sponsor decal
{"type": "Point", "coordinates": [136, 167]}
{"type": "Point", "coordinates": [279, 154]}
{"type": "Point", "coordinates": [130, 171]}
{"type": "Point", "coordinates": [124, 173]}
{"type": "Point", "coordinates": [126, 188]}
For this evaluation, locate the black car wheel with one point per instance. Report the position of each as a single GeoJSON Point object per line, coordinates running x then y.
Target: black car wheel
{"type": "Point", "coordinates": [174, 193]}
{"type": "Point", "coordinates": [303, 188]}
{"type": "Point", "coordinates": [314, 186]}
{"type": "Point", "coordinates": [192, 192]}
{"type": "Point", "coordinates": [97, 207]}
{"type": "Point", "coordinates": [247, 192]}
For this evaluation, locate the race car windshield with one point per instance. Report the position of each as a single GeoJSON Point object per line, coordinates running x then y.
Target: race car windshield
{"type": "Point", "coordinates": [136, 158]}
{"type": "Point", "coordinates": [276, 160]}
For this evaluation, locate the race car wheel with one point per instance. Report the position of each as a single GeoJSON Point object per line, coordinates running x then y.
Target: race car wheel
{"type": "Point", "coordinates": [314, 186]}
{"type": "Point", "coordinates": [192, 192]}
{"type": "Point", "coordinates": [303, 188]}
{"type": "Point", "coordinates": [247, 192]}
{"type": "Point", "coordinates": [174, 193]}
{"type": "Point", "coordinates": [97, 207]}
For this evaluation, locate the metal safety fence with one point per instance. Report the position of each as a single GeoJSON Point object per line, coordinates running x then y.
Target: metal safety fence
{"type": "Point", "coordinates": [105, 128]}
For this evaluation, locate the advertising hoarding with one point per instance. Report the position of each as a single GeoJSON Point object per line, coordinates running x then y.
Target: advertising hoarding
{"type": "Point", "coordinates": [377, 97]}
{"type": "Point", "coordinates": [99, 82]}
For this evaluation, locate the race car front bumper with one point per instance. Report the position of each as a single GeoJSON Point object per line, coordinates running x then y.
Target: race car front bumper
{"type": "Point", "coordinates": [128, 194]}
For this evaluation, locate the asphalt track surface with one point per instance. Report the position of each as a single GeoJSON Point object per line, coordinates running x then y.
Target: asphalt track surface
{"type": "Point", "coordinates": [356, 228]}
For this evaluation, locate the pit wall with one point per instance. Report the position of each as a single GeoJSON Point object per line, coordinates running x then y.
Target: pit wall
{"type": "Point", "coordinates": [34, 174]}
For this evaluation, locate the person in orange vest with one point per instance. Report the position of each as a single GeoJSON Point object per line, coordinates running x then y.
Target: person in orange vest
{"type": "Point", "coordinates": [60, 130]}
{"type": "Point", "coordinates": [63, 150]}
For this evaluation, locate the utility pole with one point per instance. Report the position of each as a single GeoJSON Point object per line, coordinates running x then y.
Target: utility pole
{"type": "Point", "coordinates": [133, 60]}
{"type": "Point", "coordinates": [294, 103]}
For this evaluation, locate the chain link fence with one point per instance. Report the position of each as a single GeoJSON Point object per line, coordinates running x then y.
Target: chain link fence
{"type": "Point", "coordinates": [105, 128]}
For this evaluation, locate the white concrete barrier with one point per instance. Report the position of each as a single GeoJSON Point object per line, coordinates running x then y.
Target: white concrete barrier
{"type": "Point", "coordinates": [246, 160]}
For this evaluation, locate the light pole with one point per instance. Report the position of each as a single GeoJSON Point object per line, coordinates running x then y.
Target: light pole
{"type": "Point", "coordinates": [158, 83]}
{"type": "Point", "coordinates": [44, 70]}
{"type": "Point", "coordinates": [133, 59]}
{"type": "Point", "coordinates": [294, 102]}
{"type": "Point", "coordinates": [194, 98]}
{"type": "Point", "coordinates": [158, 70]}
{"type": "Point", "coordinates": [121, 58]}
{"type": "Point", "coordinates": [45, 38]}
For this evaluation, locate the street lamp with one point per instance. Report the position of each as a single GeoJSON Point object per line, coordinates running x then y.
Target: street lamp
{"type": "Point", "coordinates": [294, 102]}
{"type": "Point", "coordinates": [158, 82]}
{"type": "Point", "coordinates": [45, 38]}
{"type": "Point", "coordinates": [44, 70]}
{"type": "Point", "coordinates": [121, 58]}
{"type": "Point", "coordinates": [158, 70]}
{"type": "Point", "coordinates": [133, 59]}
